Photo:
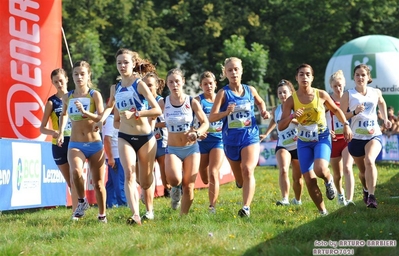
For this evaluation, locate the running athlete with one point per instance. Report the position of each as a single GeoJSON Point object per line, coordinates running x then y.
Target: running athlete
{"type": "Point", "coordinates": [362, 102]}
{"type": "Point", "coordinates": [235, 104]}
{"type": "Point", "coordinates": [286, 148]}
{"type": "Point", "coordinates": [341, 161]}
{"type": "Point", "coordinates": [52, 111]}
{"type": "Point", "coordinates": [84, 107]}
{"type": "Point", "coordinates": [210, 143]}
{"type": "Point", "coordinates": [314, 140]}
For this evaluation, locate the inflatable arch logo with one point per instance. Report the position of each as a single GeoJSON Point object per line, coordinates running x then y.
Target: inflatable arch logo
{"type": "Point", "coordinates": [30, 48]}
{"type": "Point", "coordinates": [380, 53]}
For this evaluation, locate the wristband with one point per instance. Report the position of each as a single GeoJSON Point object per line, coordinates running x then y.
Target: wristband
{"type": "Point", "coordinates": [292, 116]}
{"type": "Point", "coordinates": [197, 134]}
{"type": "Point", "coordinates": [137, 115]}
{"type": "Point", "coordinates": [354, 113]}
{"type": "Point", "coordinates": [346, 123]}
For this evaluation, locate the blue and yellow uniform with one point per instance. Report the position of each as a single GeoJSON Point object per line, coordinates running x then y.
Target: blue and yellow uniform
{"type": "Point", "coordinates": [87, 148]}
{"type": "Point", "coordinates": [239, 128]}
{"type": "Point", "coordinates": [314, 140]}
{"type": "Point", "coordinates": [59, 153]}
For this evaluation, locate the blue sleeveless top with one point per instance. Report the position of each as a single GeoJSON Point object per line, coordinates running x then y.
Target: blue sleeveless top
{"type": "Point", "coordinates": [241, 125]}
{"type": "Point", "coordinates": [215, 128]}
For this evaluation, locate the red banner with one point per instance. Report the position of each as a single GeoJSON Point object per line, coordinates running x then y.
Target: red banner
{"type": "Point", "coordinates": [30, 48]}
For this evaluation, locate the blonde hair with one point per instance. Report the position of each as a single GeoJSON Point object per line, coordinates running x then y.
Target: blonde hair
{"type": "Point", "coordinates": [337, 75]}
{"type": "Point", "coordinates": [227, 61]}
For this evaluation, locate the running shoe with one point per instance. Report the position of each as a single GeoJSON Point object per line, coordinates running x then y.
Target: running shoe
{"type": "Point", "coordinates": [134, 220]}
{"type": "Point", "coordinates": [350, 203]}
{"type": "Point", "coordinates": [148, 216]}
{"type": "Point", "coordinates": [175, 194]}
{"type": "Point", "coordinates": [212, 209]}
{"type": "Point", "coordinates": [341, 200]}
{"type": "Point", "coordinates": [166, 192]}
{"type": "Point", "coordinates": [371, 202]}
{"type": "Point", "coordinates": [296, 202]}
{"type": "Point", "coordinates": [282, 203]}
{"type": "Point", "coordinates": [331, 191]}
{"type": "Point", "coordinates": [102, 219]}
{"type": "Point", "coordinates": [323, 213]}
{"type": "Point", "coordinates": [80, 210]}
{"type": "Point", "coordinates": [365, 196]}
{"type": "Point", "coordinates": [244, 212]}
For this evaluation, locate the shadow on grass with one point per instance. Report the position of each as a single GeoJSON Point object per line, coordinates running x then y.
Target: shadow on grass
{"type": "Point", "coordinates": [357, 223]}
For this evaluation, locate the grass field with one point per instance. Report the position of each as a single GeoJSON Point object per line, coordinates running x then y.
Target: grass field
{"type": "Point", "coordinates": [271, 230]}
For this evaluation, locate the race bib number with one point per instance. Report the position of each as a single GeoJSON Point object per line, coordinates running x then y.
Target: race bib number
{"type": "Point", "coordinates": [308, 132]}
{"type": "Point", "coordinates": [241, 117]}
{"type": "Point", "coordinates": [288, 137]}
{"type": "Point", "coordinates": [338, 126]}
{"type": "Point", "coordinates": [124, 101]}
{"type": "Point", "coordinates": [366, 127]}
{"type": "Point", "coordinates": [74, 112]}
{"type": "Point", "coordinates": [178, 124]}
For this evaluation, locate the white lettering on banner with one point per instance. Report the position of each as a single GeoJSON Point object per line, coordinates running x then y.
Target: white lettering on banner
{"type": "Point", "coordinates": [26, 170]}
{"type": "Point", "coordinates": [52, 176]}
{"type": "Point", "coordinates": [5, 176]}
{"type": "Point", "coordinates": [23, 110]}
{"type": "Point", "coordinates": [26, 35]}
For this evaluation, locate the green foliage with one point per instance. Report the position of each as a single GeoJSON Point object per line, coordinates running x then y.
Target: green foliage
{"type": "Point", "coordinates": [192, 34]}
{"type": "Point", "coordinates": [254, 60]}
{"type": "Point", "coordinates": [271, 229]}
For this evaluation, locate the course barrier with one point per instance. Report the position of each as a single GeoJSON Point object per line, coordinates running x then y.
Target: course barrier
{"type": "Point", "coordinates": [29, 178]}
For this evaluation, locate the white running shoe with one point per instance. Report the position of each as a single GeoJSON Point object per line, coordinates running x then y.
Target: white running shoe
{"type": "Point", "coordinates": [80, 210]}
{"type": "Point", "coordinates": [283, 202]}
{"type": "Point", "coordinates": [148, 216]}
{"type": "Point", "coordinates": [331, 191]}
{"type": "Point", "coordinates": [102, 219]}
{"type": "Point", "coordinates": [341, 200]}
{"type": "Point", "coordinates": [296, 202]}
{"type": "Point", "coordinates": [175, 195]}
{"type": "Point", "coordinates": [323, 213]}
{"type": "Point", "coordinates": [244, 212]}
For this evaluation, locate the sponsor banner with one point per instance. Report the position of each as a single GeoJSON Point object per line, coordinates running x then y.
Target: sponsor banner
{"type": "Point", "coordinates": [267, 155]}
{"type": "Point", "coordinates": [30, 48]}
{"type": "Point", "coordinates": [29, 178]}
{"type": "Point", "coordinates": [390, 148]}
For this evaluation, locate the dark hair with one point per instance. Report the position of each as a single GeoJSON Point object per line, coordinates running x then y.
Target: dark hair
{"type": "Point", "coordinates": [367, 68]}
{"type": "Point", "coordinates": [58, 71]}
{"type": "Point", "coordinates": [84, 64]}
{"type": "Point", "coordinates": [285, 82]}
{"type": "Point", "coordinates": [141, 66]}
{"type": "Point", "coordinates": [159, 81]}
{"type": "Point", "coordinates": [304, 65]}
